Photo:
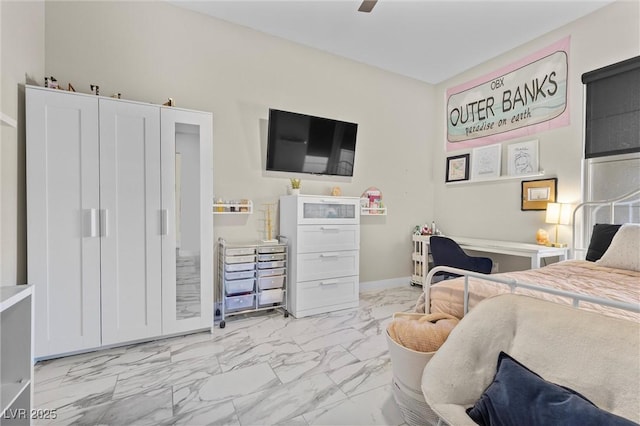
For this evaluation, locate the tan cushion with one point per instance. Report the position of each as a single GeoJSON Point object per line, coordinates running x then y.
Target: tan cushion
{"type": "Point", "coordinates": [624, 250]}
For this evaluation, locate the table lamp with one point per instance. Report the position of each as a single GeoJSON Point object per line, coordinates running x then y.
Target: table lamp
{"type": "Point", "coordinates": [558, 214]}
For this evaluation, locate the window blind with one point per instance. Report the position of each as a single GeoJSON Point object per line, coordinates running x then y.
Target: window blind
{"type": "Point", "coordinates": [613, 109]}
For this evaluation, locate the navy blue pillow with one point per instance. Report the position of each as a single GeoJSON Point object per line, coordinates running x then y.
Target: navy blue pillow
{"type": "Point", "coordinates": [518, 396]}
{"type": "Point", "coordinates": [601, 237]}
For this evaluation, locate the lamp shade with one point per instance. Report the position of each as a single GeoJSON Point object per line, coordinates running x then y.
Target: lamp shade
{"type": "Point", "coordinates": [558, 213]}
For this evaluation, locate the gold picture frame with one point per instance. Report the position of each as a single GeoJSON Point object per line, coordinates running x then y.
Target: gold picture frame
{"type": "Point", "coordinates": [536, 194]}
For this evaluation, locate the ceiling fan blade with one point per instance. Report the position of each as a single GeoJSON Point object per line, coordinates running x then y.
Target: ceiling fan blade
{"type": "Point", "coordinates": [367, 5]}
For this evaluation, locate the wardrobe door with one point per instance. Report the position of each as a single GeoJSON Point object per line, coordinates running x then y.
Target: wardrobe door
{"type": "Point", "coordinates": [130, 221]}
{"type": "Point", "coordinates": [187, 197]}
{"type": "Point", "coordinates": [63, 246]}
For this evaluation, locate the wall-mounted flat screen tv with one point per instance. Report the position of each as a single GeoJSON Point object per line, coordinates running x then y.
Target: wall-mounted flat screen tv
{"type": "Point", "coordinates": [303, 143]}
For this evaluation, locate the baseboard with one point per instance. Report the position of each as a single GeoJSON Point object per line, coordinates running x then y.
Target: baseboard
{"type": "Point", "coordinates": [389, 283]}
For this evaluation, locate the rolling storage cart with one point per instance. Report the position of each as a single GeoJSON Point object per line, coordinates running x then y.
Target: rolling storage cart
{"type": "Point", "coordinates": [251, 277]}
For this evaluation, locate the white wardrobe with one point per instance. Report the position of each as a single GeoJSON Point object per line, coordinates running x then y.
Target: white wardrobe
{"type": "Point", "coordinates": [111, 200]}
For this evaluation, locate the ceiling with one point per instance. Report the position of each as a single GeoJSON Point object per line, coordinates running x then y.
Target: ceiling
{"type": "Point", "coordinates": [429, 40]}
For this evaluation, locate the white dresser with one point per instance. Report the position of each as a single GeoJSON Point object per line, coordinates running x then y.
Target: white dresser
{"type": "Point", "coordinates": [324, 256]}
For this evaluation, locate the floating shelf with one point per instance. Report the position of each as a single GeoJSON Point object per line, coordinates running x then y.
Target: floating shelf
{"type": "Point", "coordinates": [373, 211]}
{"type": "Point", "coordinates": [497, 179]}
{"type": "Point", "coordinates": [233, 208]}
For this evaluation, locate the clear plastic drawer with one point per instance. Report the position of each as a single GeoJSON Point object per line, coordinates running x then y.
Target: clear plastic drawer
{"type": "Point", "coordinates": [240, 267]}
{"type": "Point", "coordinates": [239, 286]}
{"type": "Point", "coordinates": [269, 297]}
{"type": "Point", "coordinates": [269, 257]}
{"type": "Point", "coordinates": [237, 303]}
{"type": "Point", "coordinates": [270, 272]}
{"type": "Point", "coordinates": [240, 259]}
{"type": "Point", "coordinates": [266, 265]}
{"type": "Point", "coordinates": [271, 249]}
{"type": "Point", "coordinates": [239, 275]}
{"type": "Point", "coordinates": [239, 251]}
{"type": "Point", "coordinates": [270, 282]}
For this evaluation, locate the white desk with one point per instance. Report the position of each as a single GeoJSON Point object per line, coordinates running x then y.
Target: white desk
{"type": "Point", "coordinates": [534, 252]}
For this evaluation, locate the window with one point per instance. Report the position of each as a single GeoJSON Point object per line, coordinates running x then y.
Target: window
{"type": "Point", "coordinates": [613, 109]}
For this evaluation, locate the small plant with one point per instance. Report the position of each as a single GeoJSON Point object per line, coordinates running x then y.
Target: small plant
{"type": "Point", "coordinates": [295, 183]}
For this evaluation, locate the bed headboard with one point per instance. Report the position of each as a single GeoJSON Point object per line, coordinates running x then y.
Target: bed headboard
{"type": "Point", "coordinates": [624, 209]}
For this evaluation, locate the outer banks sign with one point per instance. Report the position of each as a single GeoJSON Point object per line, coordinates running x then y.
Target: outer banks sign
{"type": "Point", "coordinates": [523, 98]}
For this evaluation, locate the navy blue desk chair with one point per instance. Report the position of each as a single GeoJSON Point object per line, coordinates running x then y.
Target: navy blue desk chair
{"type": "Point", "coordinates": [446, 252]}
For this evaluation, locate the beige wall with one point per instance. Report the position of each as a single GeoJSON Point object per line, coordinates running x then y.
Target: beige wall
{"type": "Point", "coordinates": [22, 59]}
{"type": "Point", "coordinates": [150, 51]}
{"type": "Point", "coordinates": [492, 210]}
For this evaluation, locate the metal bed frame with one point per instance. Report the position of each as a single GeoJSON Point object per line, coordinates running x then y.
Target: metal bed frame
{"type": "Point", "coordinates": [629, 201]}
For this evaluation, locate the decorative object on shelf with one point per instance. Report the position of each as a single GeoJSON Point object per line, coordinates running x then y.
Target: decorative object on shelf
{"type": "Point", "coordinates": [51, 82]}
{"type": "Point", "coordinates": [295, 186]}
{"type": "Point", "coordinates": [70, 87]}
{"type": "Point", "coordinates": [542, 237]}
{"type": "Point", "coordinates": [522, 158]}
{"type": "Point", "coordinates": [268, 223]}
{"type": "Point", "coordinates": [169, 103]}
{"type": "Point", "coordinates": [218, 205]}
{"type": "Point", "coordinates": [95, 89]}
{"type": "Point", "coordinates": [116, 95]}
{"type": "Point", "coordinates": [371, 202]}
{"type": "Point", "coordinates": [336, 191]}
{"type": "Point", "coordinates": [558, 214]}
{"type": "Point", "coordinates": [535, 194]}
{"type": "Point", "coordinates": [457, 168]}
{"type": "Point", "coordinates": [486, 162]}
{"type": "Point", "coordinates": [244, 206]}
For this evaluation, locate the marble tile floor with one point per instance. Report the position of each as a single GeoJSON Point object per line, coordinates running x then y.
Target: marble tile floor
{"type": "Point", "coordinates": [262, 369]}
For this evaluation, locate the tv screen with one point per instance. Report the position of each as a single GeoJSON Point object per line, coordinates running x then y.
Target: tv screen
{"type": "Point", "coordinates": [302, 143]}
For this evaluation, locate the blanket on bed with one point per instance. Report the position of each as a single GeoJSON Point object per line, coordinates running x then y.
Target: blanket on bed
{"type": "Point", "coordinates": [425, 333]}
{"type": "Point", "coordinates": [576, 276]}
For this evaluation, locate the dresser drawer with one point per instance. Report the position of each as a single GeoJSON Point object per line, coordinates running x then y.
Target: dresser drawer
{"type": "Point", "coordinates": [321, 238]}
{"type": "Point", "coordinates": [333, 210]}
{"type": "Point", "coordinates": [327, 292]}
{"type": "Point", "coordinates": [315, 266]}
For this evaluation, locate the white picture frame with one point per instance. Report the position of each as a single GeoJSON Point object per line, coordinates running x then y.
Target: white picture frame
{"type": "Point", "coordinates": [522, 158]}
{"type": "Point", "coordinates": [486, 162]}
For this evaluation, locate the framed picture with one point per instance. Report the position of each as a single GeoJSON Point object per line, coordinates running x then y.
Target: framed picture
{"type": "Point", "coordinates": [457, 168]}
{"type": "Point", "coordinates": [537, 193]}
{"type": "Point", "coordinates": [486, 162]}
{"type": "Point", "coordinates": [522, 158]}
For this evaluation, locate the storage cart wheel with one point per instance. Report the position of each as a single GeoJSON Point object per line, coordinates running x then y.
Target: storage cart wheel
{"type": "Point", "coordinates": [412, 284]}
{"type": "Point", "coordinates": [286, 314]}
{"type": "Point", "coordinates": [222, 324]}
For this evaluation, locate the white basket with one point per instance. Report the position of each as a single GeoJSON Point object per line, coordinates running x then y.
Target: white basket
{"type": "Point", "coordinates": [407, 366]}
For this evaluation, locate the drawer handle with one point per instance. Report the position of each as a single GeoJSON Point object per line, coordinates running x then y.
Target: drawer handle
{"type": "Point", "coordinates": [330, 282]}
{"type": "Point", "coordinates": [329, 255]}
{"type": "Point", "coordinates": [329, 228]}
